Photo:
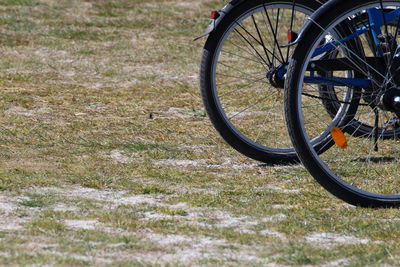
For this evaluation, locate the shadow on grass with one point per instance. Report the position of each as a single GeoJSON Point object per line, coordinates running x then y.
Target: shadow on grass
{"type": "Point", "coordinates": [376, 160]}
{"type": "Point", "coordinates": [280, 164]}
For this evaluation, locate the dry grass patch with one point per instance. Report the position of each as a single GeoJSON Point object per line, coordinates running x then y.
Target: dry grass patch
{"type": "Point", "coordinates": [107, 156]}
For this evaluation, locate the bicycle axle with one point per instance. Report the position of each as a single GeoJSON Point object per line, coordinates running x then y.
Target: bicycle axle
{"type": "Point", "coordinates": [276, 76]}
{"type": "Point", "coordinates": [390, 101]}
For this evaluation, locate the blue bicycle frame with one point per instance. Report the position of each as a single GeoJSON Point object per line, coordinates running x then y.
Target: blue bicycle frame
{"type": "Point", "coordinates": [377, 19]}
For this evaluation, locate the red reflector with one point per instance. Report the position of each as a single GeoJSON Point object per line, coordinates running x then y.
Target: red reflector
{"type": "Point", "coordinates": [290, 36]}
{"type": "Point", "coordinates": [214, 14]}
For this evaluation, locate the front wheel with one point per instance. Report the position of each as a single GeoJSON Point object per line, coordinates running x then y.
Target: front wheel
{"type": "Point", "coordinates": [360, 171]}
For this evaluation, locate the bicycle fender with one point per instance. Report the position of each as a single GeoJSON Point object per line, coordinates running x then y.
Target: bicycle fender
{"type": "Point", "coordinates": [221, 14]}
{"type": "Point", "coordinates": [326, 7]}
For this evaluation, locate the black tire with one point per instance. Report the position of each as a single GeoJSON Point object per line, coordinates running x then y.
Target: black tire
{"type": "Point", "coordinates": [268, 151]}
{"type": "Point", "coordinates": [358, 175]}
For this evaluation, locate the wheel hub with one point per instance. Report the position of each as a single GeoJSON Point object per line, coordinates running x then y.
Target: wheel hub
{"type": "Point", "coordinates": [276, 76]}
{"type": "Point", "coordinates": [390, 100]}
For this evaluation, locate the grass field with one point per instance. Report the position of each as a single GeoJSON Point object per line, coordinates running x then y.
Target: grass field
{"type": "Point", "coordinates": [107, 156]}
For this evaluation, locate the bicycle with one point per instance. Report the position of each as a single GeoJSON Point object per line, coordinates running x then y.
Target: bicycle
{"type": "Point", "coordinates": [363, 35]}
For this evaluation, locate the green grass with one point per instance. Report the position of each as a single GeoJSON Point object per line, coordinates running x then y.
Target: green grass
{"type": "Point", "coordinates": [102, 121]}
{"type": "Point", "coordinates": [45, 225]}
{"type": "Point", "coordinates": [19, 3]}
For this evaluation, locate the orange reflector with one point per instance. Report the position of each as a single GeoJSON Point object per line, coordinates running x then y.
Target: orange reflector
{"type": "Point", "coordinates": [339, 138]}
{"type": "Point", "coordinates": [389, 128]}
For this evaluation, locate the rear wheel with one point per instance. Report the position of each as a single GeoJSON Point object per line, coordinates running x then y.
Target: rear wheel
{"type": "Point", "coordinates": [242, 76]}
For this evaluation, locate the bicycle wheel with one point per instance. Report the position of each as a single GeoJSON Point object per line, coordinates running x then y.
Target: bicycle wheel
{"type": "Point", "coordinates": [242, 76]}
{"type": "Point", "coordinates": [360, 171]}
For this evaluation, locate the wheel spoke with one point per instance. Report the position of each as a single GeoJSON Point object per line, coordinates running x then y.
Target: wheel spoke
{"type": "Point", "coordinates": [274, 32]}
